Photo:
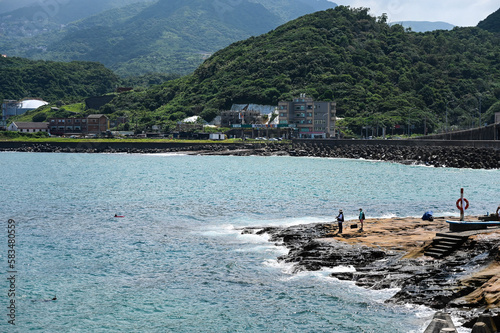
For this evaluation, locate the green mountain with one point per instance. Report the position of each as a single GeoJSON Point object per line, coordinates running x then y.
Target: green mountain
{"type": "Point", "coordinates": [54, 81]}
{"type": "Point", "coordinates": [169, 36]}
{"type": "Point", "coordinates": [42, 14]}
{"type": "Point", "coordinates": [163, 36]}
{"type": "Point", "coordinates": [379, 75]}
{"type": "Point", "coordinates": [491, 23]}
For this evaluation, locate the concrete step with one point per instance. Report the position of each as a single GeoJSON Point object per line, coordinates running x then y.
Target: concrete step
{"type": "Point", "coordinates": [434, 254]}
{"type": "Point", "coordinates": [445, 246]}
{"type": "Point", "coordinates": [451, 236]}
{"type": "Point", "coordinates": [433, 249]}
{"type": "Point", "coordinates": [447, 242]}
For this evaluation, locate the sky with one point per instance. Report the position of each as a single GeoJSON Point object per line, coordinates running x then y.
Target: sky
{"type": "Point", "coordinates": [457, 12]}
{"type": "Point", "coordinates": [462, 13]}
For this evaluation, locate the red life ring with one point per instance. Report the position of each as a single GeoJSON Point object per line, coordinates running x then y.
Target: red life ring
{"type": "Point", "coordinates": [459, 204]}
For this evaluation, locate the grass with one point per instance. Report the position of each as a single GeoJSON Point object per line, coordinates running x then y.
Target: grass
{"type": "Point", "coordinates": [142, 140]}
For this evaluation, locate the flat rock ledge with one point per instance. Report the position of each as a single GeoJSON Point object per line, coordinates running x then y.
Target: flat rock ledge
{"type": "Point", "coordinates": [464, 284]}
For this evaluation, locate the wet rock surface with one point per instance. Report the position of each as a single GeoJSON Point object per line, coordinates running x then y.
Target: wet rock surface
{"type": "Point", "coordinates": [436, 283]}
{"type": "Point", "coordinates": [456, 157]}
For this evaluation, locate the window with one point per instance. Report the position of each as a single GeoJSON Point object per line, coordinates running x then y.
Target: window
{"type": "Point", "coordinates": [309, 114]}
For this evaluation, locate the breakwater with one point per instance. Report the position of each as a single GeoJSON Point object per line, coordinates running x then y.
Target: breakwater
{"type": "Point", "coordinates": [459, 154]}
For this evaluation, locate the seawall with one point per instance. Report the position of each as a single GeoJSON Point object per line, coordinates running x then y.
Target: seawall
{"type": "Point", "coordinates": [456, 154]}
{"type": "Point", "coordinates": [494, 144]}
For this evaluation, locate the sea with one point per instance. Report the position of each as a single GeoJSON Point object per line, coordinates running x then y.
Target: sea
{"type": "Point", "coordinates": [177, 260]}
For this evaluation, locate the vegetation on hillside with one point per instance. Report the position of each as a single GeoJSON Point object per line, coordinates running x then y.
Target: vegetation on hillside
{"type": "Point", "coordinates": [491, 23]}
{"type": "Point", "coordinates": [165, 36]}
{"type": "Point", "coordinates": [379, 75]}
{"type": "Point", "coordinates": [54, 81]}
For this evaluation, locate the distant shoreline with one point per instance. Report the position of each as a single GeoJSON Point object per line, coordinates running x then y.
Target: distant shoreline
{"type": "Point", "coordinates": [418, 153]}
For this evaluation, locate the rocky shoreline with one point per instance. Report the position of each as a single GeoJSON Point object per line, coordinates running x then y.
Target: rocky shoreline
{"type": "Point", "coordinates": [390, 254]}
{"type": "Point", "coordinates": [450, 156]}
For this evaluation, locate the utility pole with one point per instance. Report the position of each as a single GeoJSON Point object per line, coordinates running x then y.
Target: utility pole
{"type": "Point", "coordinates": [480, 110]}
{"type": "Point", "coordinates": [446, 121]}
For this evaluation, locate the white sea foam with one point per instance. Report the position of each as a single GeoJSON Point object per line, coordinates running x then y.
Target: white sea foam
{"type": "Point", "coordinates": [164, 154]}
{"type": "Point", "coordinates": [228, 230]}
{"type": "Point", "coordinates": [284, 267]}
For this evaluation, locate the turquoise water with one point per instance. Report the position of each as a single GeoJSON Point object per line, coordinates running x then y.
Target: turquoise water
{"type": "Point", "coordinates": [177, 262]}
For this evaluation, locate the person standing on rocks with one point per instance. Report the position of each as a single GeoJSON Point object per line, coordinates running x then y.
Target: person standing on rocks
{"type": "Point", "coordinates": [340, 220]}
{"type": "Point", "coordinates": [361, 218]}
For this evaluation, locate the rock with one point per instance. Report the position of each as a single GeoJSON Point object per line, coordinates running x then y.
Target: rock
{"type": "Point", "coordinates": [437, 283]}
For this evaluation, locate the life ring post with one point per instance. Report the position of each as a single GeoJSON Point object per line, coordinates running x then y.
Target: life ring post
{"type": "Point", "coordinates": [462, 204]}
{"type": "Point", "coordinates": [462, 210]}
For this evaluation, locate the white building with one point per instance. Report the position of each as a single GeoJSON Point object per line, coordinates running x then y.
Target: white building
{"type": "Point", "coordinates": [13, 108]}
{"type": "Point", "coordinates": [28, 127]}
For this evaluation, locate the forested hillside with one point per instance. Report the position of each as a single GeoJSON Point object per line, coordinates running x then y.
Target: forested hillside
{"type": "Point", "coordinates": [166, 36]}
{"type": "Point", "coordinates": [378, 74]}
{"type": "Point", "coordinates": [54, 81]}
{"type": "Point", "coordinates": [491, 23]}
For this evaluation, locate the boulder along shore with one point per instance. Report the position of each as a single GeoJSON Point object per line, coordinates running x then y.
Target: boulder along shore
{"type": "Point", "coordinates": [453, 157]}
{"type": "Point", "coordinates": [390, 253]}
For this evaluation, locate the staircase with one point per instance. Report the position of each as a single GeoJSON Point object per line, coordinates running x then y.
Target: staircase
{"type": "Point", "coordinates": [444, 244]}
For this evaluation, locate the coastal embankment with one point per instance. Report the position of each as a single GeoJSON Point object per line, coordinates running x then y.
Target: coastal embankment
{"type": "Point", "coordinates": [460, 154]}
{"type": "Point", "coordinates": [391, 253]}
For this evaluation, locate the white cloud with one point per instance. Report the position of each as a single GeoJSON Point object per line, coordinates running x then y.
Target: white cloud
{"type": "Point", "coordinates": [457, 12]}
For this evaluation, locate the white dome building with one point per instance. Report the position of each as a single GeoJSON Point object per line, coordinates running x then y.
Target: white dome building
{"type": "Point", "coordinates": [30, 104]}
{"type": "Point", "coordinates": [13, 108]}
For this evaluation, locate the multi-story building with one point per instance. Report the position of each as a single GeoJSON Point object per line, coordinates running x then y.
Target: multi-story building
{"type": "Point", "coordinates": [311, 119]}
{"type": "Point", "coordinates": [93, 124]}
{"type": "Point", "coordinates": [97, 123]}
{"type": "Point", "coordinates": [63, 126]}
{"type": "Point", "coordinates": [232, 117]}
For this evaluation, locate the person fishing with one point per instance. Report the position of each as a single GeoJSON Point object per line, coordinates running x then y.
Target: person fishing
{"type": "Point", "coordinates": [340, 220]}
{"type": "Point", "coordinates": [361, 218]}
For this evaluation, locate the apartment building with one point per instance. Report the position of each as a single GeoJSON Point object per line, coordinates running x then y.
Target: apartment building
{"type": "Point", "coordinates": [310, 119]}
